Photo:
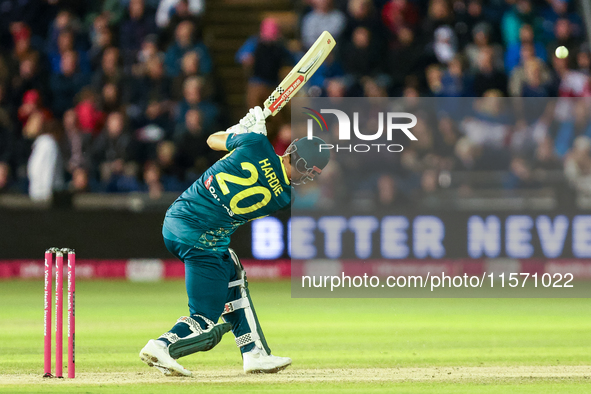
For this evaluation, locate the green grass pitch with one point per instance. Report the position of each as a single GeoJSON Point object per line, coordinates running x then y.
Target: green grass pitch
{"type": "Point", "coordinates": [337, 345]}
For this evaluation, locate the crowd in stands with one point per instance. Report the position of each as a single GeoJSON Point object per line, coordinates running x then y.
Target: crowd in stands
{"type": "Point", "coordinates": [118, 95]}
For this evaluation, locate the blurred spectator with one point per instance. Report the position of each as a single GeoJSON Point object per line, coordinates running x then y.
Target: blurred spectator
{"type": "Point", "coordinates": [489, 124]}
{"type": "Point", "coordinates": [32, 105]}
{"type": "Point", "coordinates": [434, 76]}
{"type": "Point", "coordinates": [518, 76]}
{"type": "Point", "coordinates": [193, 155]}
{"type": "Point", "coordinates": [66, 43]}
{"type": "Point", "coordinates": [537, 82]}
{"type": "Point", "coordinates": [101, 38]}
{"type": "Point", "coordinates": [21, 36]}
{"type": "Point", "coordinates": [362, 13]}
{"type": "Point", "coordinates": [322, 17]}
{"type": "Point", "coordinates": [445, 140]}
{"type": "Point", "coordinates": [45, 166]}
{"type": "Point", "coordinates": [405, 47]}
{"type": "Point", "coordinates": [584, 59]}
{"type": "Point", "coordinates": [429, 183]}
{"type": "Point", "coordinates": [153, 100]}
{"type": "Point", "coordinates": [283, 139]}
{"type": "Point", "coordinates": [152, 95]}
{"type": "Point", "coordinates": [32, 13]}
{"type": "Point", "coordinates": [559, 9]}
{"type": "Point", "coordinates": [134, 28]}
{"type": "Point", "coordinates": [32, 115]}
{"type": "Point", "coordinates": [577, 165]}
{"type": "Point", "coordinates": [396, 14]}
{"type": "Point", "coordinates": [110, 99]}
{"type": "Point", "coordinates": [120, 177]}
{"type": "Point", "coordinates": [263, 57]}
{"type": "Point", "coordinates": [192, 99]}
{"type": "Point", "coordinates": [361, 56]}
{"type": "Point", "coordinates": [170, 171]}
{"type": "Point", "coordinates": [468, 14]}
{"type": "Point", "coordinates": [30, 77]}
{"type": "Point", "coordinates": [388, 195]}
{"type": "Point", "coordinates": [336, 87]}
{"type": "Point", "coordinates": [182, 12]}
{"type": "Point", "coordinates": [112, 147]}
{"type": "Point", "coordinates": [169, 8]}
{"type": "Point", "coordinates": [572, 83]}
{"type": "Point", "coordinates": [78, 143]}
{"type": "Point", "coordinates": [189, 68]}
{"type": "Point", "coordinates": [514, 50]}
{"type": "Point", "coordinates": [465, 151]}
{"type": "Point", "coordinates": [445, 45]}
{"type": "Point", "coordinates": [521, 12]}
{"type": "Point", "coordinates": [439, 14]}
{"type": "Point", "coordinates": [109, 71]}
{"type": "Point", "coordinates": [111, 10]}
{"type": "Point", "coordinates": [80, 182]}
{"type": "Point", "coordinates": [152, 182]}
{"type": "Point", "coordinates": [487, 77]}
{"type": "Point", "coordinates": [454, 82]}
{"type": "Point", "coordinates": [375, 87]}
{"type": "Point", "coordinates": [520, 176]}
{"type": "Point", "coordinates": [545, 159]}
{"type": "Point", "coordinates": [183, 44]}
{"type": "Point", "coordinates": [89, 117]}
{"type": "Point", "coordinates": [65, 85]}
{"type": "Point", "coordinates": [148, 51]}
{"type": "Point", "coordinates": [573, 121]}
{"type": "Point", "coordinates": [64, 21]}
{"type": "Point", "coordinates": [481, 40]}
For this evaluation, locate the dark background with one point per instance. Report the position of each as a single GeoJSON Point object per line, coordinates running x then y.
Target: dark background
{"type": "Point", "coordinates": [102, 234]}
{"type": "Point", "coordinates": [108, 234]}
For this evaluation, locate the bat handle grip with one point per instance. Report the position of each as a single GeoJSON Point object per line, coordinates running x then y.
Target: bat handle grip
{"type": "Point", "coordinates": [266, 112]}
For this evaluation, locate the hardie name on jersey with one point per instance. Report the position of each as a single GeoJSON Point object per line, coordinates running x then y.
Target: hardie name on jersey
{"type": "Point", "coordinates": [274, 183]}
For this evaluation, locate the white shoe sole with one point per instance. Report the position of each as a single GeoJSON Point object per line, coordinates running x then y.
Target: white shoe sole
{"type": "Point", "coordinates": [153, 361]}
{"type": "Point", "coordinates": [273, 370]}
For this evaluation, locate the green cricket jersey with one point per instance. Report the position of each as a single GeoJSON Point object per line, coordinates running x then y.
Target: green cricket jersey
{"type": "Point", "coordinates": [248, 183]}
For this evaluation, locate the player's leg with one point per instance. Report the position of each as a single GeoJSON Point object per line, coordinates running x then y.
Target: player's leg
{"type": "Point", "coordinates": [206, 279]}
{"type": "Point", "coordinates": [240, 312]}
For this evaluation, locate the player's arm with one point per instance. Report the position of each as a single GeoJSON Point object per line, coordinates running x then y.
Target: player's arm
{"type": "Point", "coordinates": [217, 141]}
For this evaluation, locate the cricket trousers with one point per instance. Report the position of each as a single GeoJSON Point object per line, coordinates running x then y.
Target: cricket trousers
{"type": "Point", "coordinates": [207, 275]}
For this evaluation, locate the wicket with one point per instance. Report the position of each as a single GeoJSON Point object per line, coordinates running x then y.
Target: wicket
{"type": "Point", "coordinates": [59, 310]}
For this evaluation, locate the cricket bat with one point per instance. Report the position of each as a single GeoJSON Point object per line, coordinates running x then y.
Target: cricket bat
{"type": "Point", "coordinates": [300, 74]}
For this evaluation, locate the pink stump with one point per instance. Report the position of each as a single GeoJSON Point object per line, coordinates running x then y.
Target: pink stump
{"type": "Point", "coordinates": [59, 313]}
{"type": "Point", "coordinates": [71, 312]}
{"type": "Point", "coordinates": [47, 314]}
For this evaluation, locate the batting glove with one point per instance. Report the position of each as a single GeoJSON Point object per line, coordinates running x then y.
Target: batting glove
{"type": "Point", "coordinates": [253, 122]}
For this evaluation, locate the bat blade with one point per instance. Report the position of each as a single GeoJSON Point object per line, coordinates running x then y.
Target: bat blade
{"type": "Point", "coordinates": [300, 74]}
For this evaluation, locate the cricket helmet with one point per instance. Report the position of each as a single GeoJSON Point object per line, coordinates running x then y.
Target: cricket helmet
{"type": "Point", "coordinates": [307, 159]}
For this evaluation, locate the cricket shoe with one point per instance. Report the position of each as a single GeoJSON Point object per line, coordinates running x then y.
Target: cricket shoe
{"type": "Point", "coordinates": [257, 362]}
{"type": "Point", "coordinates": [155, 354]}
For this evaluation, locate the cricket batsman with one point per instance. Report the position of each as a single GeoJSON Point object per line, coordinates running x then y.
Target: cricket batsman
{"type": "Point", "coordinates": [250, 182]}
